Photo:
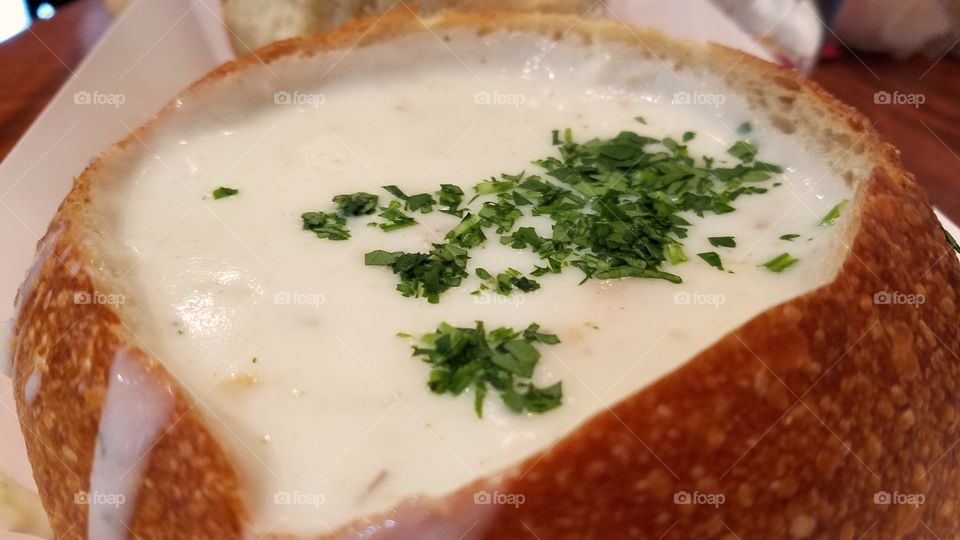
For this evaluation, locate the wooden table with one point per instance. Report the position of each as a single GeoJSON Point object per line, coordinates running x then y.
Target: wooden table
{"type": "Point", "coordinates": [34, 64]}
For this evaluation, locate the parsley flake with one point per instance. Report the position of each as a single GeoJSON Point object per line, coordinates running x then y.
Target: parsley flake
{"type": "Point", "coordinates": [712, 258]}
{"type": "Point", "coordinates": [356, 204]}
{"type": "Point", "coordinates": [394, 216]}
{"type": "Point", "coordinates": [506, 282]}
{"type": "Point", "coordinates": [325, 225]}
{"type": "Point", "coordinates": [223, 192]}
{"type": "Point", "coordinates": [743, 150]}
{"type": "Point", "coordinates": [780, 262]}
{"type": "Point", "coordinates": [722, 241]}
{"type": "Point", "coordinates": [951, 240]}
{"type": "Point", "coordinates": [834, 213]}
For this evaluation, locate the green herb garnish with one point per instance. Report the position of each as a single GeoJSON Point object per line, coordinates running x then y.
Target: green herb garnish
{"type": "Point", "coordinates": [502, 359]}
{"type": "Point", "coordinates": [675, 254]}
{"type": "Point", "coordinates": [950, 239]}
{"type": "Point", "coordinates": [450, 197]}
{"type": "Point", "coordinates": [780, 262]}
{"type": "Point", "coordinates": [506, 282]}
{"type": "Point", "coordinates": [614, 205]}
{"type": "Point", "coordinates": [396, 192]}
{"type": "Point", "coordinates": [712, 258]}
{"type": "Point", "coordinates": [394, 216]}
{"type": "Point", "coordinates": [222, 192]}
{"type": "Point", "coordinates": [424, 275]}
{"type": "Point", "coordinates": [744, 128]}
{"type": "Point", "coordinates": [790, 237]}
{"type": "Point", "coordinates": [356, 204]}
{"type": "Point", "coordinates": [722, 241]}
{"type": "Point", "coordinates": [422, 203]}
{"type": "Point", "coordinates": [325, 225]}
{"type": "Point", "coordinates": [494, 186]}
{"type": "Point", "coordinates": [743, 150]}
{"type": "Point", "coordinates": [834, 213]}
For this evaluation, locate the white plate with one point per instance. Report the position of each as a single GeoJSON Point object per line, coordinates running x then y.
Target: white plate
{"type": "Point", "coordinates": [151, 52]}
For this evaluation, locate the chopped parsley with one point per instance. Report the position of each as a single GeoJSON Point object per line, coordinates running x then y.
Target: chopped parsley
{"type": "Point", "coordinates": [396, 192]}
{"type": "Point", "coordinates": [790, 237]}
{"type": "Point", "coordinates": [422, 203]}
{"type": "Point", "coordinates": [325, 225]}
{"type": "Point", "coordinates": [743, 151]}
{"type": "Point", "coordinates": [744, 128]}
{"type": "Point", "coordinates": [450, 197]}
{"type": "Point", "coordinates": [506, 282]}
{"type": "Point", "coordinates": [425, 275]}
{"type": "Point", "coordinates": [223, 192]}
{"type": "Point", "coordinates": [834, 213]}
{"type": "Point", "coordinates": [614, 206]}
{"type": "Point", "coordinates": [501, 359]}
{"type": "Point", "coordinates": [722, 241]}
{"type": "Point", "coordinates": [951, 240]}
{"type": "Point", "coordinates": [356, 204]}
{"type": "Point", "coordinates": [394, 218]}
{"type": "Point", "coordinates": [712, 258]}
{"type": "Point", "coordinates": [675, 254]}
{"type": "Point", "coordinates": [493, 185]}
{"type": "Point", "coordinates": [780, 262]}
{"type": "Point", "coordinates": [468, 233]}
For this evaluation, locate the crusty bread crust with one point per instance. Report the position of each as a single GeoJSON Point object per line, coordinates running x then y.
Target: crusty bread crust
{"type": "Point", "coordinates": [798, 418]}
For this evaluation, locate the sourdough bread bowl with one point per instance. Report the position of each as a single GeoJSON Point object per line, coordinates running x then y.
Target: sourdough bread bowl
{"type": "Point", "coordinates": [188, 365]}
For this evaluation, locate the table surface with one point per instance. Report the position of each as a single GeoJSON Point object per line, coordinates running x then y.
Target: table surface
{"type": "Point", "coordinates": [36, 62]}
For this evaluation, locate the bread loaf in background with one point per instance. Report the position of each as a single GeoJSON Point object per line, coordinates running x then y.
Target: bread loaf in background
{"type": "Point", "coordinates": [255, 23]}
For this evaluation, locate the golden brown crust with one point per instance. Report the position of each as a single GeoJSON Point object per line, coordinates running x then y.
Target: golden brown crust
{"type": "Point", "coordinates": [797, 419]}
{"type": "Point", "coordinates": [193, 490]}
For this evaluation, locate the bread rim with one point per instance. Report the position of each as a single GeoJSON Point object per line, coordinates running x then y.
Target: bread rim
{"type": "Point", "coordinates": [800, 418]}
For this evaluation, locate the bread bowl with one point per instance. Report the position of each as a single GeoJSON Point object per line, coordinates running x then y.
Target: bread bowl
{"type": "Point", "coordinates": [769, 455]}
